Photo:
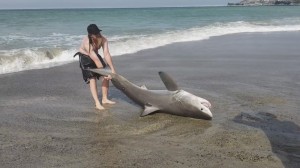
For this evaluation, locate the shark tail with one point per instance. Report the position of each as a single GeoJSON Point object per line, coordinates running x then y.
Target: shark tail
{"type": "Point", "coordinates": [101, 71]}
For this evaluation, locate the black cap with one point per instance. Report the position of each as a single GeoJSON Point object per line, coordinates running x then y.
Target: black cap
{"type": "Point", "coordinates": [93, 29]}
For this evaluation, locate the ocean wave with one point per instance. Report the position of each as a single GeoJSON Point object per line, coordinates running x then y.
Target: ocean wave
{"type": "Point", "coordinates": [51, 51]}
{"type": "Point", "coordinates": [134, 44]}
{"type": "Point", "coordinates": [34, 58]}
{"type": "Point", "coordinates": [13, 41]}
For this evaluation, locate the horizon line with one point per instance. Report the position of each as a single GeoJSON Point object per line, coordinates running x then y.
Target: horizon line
{"type": "Point", "coordinates": [113, 7]}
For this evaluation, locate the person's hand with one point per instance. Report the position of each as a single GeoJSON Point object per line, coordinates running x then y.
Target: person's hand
{"type": "Point", "coordinates": [108, 77]}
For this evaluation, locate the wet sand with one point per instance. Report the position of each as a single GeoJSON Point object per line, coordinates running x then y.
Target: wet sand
{"type": "Point", "coordinates": [47, 117]}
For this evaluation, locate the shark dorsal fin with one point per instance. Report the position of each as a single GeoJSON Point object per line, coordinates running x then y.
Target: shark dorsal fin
{"type": "Point", "coordinates": [148, 110]}
{"type": "Point", "coordinates": [168, 81]}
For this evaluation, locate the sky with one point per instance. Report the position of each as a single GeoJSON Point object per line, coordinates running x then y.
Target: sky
{"type": "Point", "coordinates": [41, 4]}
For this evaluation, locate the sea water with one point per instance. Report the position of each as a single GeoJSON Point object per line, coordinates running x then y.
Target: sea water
{"type": "Point", "coordinates": [41, 38]}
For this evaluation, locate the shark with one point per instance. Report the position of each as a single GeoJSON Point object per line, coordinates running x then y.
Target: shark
{"type": "Point", "coordinates": [173, 100]}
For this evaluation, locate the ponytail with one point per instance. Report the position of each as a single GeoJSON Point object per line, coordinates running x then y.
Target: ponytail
{"type": "Point", "coordinates": [90, 41]}
{"type": "Point", "coordinates": [90, 38]}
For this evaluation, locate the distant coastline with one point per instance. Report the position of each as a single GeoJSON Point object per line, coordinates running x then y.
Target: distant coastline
{"type": "Point", "coordinates": [266, 3]}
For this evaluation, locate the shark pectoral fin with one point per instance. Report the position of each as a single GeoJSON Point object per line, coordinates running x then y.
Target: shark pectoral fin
{"type": "Point", "coordinates": [168, 81]}
{"type": "Point", "coordinates": [148, 110]}
{"type": "Point", "coordinates": [144, 87]}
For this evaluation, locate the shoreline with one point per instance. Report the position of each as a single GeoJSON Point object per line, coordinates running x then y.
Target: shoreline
{"type": "Point", "coordinates": [252, 80]}
{"type": "Point", "coordinates": [52, 64]}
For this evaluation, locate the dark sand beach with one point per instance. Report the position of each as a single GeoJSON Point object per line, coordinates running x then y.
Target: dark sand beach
{"type": "Point", "coordinates": [47, 117]}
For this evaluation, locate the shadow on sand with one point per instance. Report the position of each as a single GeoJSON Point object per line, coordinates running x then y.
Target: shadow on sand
{"type": "Point", "coordinates": [284, 136]}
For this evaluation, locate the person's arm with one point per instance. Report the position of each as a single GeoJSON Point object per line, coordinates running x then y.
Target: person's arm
{"type": "Point", "coordinates": [107, 55]}
{"type": "Point", "coordinates": [84, 49]}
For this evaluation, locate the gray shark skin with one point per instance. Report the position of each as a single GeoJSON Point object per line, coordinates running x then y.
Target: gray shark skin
{"type": "Point", "coordinates": [172, 101]}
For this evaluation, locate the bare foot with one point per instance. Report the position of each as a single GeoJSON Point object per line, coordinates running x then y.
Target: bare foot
{"type": "Point", "coordinates": [108, 102]}
{"type": "Point", "coordinates": [99, 107]}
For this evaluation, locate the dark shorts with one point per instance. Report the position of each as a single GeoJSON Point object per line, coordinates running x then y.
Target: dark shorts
{"type": "Point", "coordinates": [85, 62]}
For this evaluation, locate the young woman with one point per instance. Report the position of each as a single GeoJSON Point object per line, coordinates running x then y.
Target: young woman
{"type": "Point", "coordinates": [89, 58]}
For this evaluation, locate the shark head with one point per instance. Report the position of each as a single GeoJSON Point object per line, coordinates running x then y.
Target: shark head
{"type": "Point", "coordinates": [194, 105]}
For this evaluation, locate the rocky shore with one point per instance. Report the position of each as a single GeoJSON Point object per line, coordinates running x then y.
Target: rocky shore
{"type": "Point", "coordinates": [264, 2]}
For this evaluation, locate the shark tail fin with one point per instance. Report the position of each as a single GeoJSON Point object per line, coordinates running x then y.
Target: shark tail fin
{"type": "Point", "coordinates": [168, 81]}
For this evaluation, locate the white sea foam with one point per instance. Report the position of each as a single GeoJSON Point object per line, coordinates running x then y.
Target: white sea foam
{"type": "Point", "coordinates": [134, 44]}
{"type": "Point", "coordinates": [42, 57]}
{"type": "Point", "coordinates": [24, 59]}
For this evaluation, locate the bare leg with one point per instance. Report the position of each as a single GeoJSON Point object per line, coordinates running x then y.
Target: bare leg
{"type": "Point", "coordinates": [94, 91]}
{"type": "Point", "coordinates": [105, 85]}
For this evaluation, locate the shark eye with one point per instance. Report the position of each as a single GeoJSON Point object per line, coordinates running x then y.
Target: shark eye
{"type": "Point", "coordinates": [201, 109]}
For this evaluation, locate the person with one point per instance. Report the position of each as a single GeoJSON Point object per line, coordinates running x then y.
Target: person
{"type": "Point", "coordinates": [89, 58]}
